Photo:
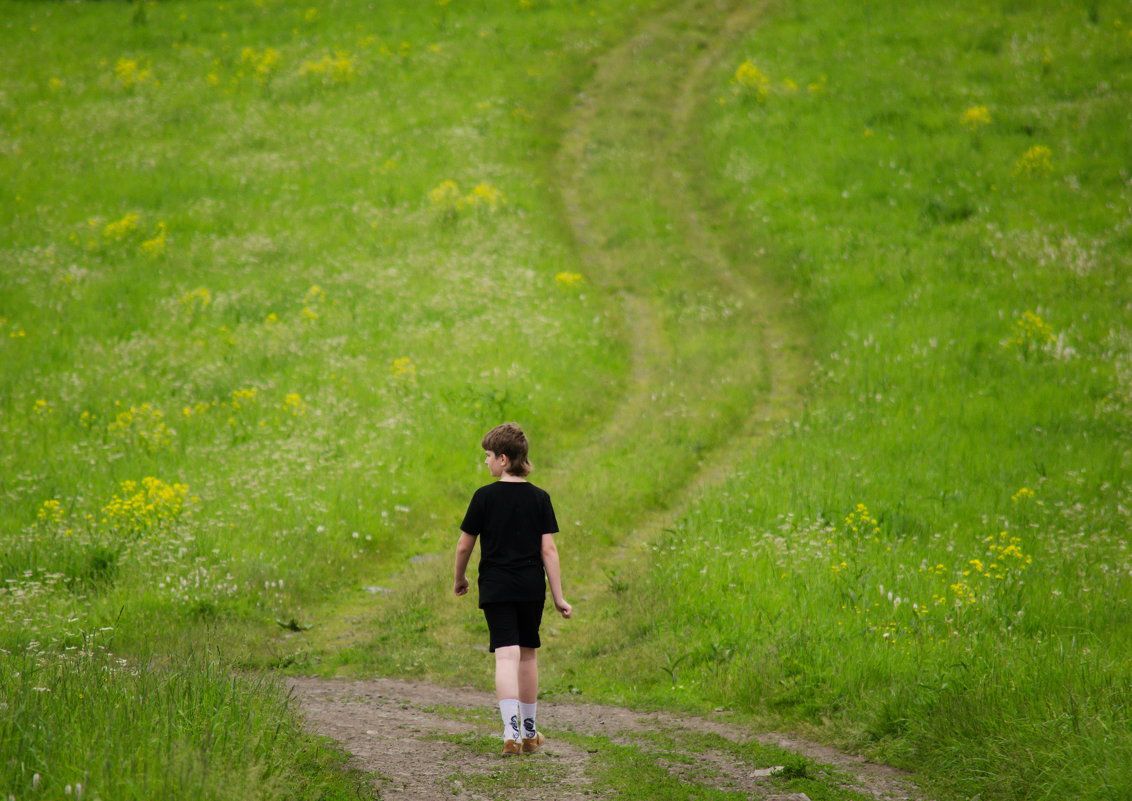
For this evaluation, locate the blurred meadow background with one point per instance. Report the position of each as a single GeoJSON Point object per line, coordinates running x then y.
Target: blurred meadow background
{"type": "Point", "coordinates": [268, 270]}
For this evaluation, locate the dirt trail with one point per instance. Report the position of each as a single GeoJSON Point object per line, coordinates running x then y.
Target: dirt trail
{"type": "Point", "coordinates": [395, 731]}
{"type": "Point", "coordinates": [423, 741]}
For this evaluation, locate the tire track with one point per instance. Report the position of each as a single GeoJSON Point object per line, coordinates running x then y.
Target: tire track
{"type": "Point", "coordinates": [643, 99]}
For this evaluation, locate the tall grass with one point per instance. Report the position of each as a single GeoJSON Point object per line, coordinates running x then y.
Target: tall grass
{"type": "Point", "coordinates": [81, 722]}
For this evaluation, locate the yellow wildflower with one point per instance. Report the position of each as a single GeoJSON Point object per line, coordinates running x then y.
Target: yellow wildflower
{"type": "Point", "coordinates": [198, 299]}
{"type": "Point", "coordinates": [403, 367]}
{"type": "Point", "coordinates": [1022, 495]}
{"type": "Point", "coordinates": [145, 424]}
{"type": "Point", "coordinates": [294, 403]}
{"type": "Point", "coordinates": [975, 118]}
{"type": "Point", "coordinates": [860, 523]}
{"type": "Point", "coordinates": [130, 73]}
{"type": "Point", "coordinates": [485, 195]}
{"type": "Point", "coordinates": [51, 512]}
{"type": "Point", "coordinates": [1035, 162]}
{"type": "Point", "coordinates": [196, 409]}
{"type": "Point", "coordinates": [750, 78]}
{"type": "Point", "coordinates": [242, 397]}
{"type": "Point", "coordinates": [963, 593]}
{"type": "Point", "coordinates": [446, 197]}
{"type": "Point", "coordinates": [1030, 331]}
{"type": "Point", "coordinates": [263, 64]}
{"type": "Point", "coordinates": [155, 247]}
{"type": "Point", "coordinates": [1007, 548]}
{"type": "Point", "coordinates": [121, 229]}
{"type": "Point", "coordinates": [338, 68]}
{"type": "Point", "coordinates": [569, 279]}
{"type": "Point", "coordinates": [137, 508]}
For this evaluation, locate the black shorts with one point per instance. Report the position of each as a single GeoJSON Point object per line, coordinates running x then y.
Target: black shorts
{"type": "Point", "coordinates": [513, 623]}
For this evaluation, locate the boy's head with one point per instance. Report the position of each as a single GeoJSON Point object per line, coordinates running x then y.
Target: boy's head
{"type": "Point", "coordinates": [510, 441]}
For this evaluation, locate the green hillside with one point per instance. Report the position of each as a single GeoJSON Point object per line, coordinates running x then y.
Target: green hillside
{"type": "Point", "coordinates": [817, 316]}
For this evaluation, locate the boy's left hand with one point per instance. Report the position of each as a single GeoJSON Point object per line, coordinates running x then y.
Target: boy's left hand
{"type": "Point", "coordinates": [460, 587]}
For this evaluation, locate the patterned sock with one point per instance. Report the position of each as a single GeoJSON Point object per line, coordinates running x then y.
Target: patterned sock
{"type": "Point", "coordinates": [527, 714]}
{"type": "Point", "coordinates": [509, 712]}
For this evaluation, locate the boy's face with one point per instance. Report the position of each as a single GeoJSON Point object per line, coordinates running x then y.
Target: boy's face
{"type": "Point", "coordinates": [495, 464]}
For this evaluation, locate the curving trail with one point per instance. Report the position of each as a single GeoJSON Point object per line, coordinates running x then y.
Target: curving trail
{"type": "Point", "coordinates": [718, 362]}
{"type": "Point", "coordinates": [718, 358]}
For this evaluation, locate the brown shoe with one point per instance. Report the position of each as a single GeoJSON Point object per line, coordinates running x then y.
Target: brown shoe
{"type": "Point", "coordinates": [511, 748]}
{"type": "Point", "coordinates": [531, 743]}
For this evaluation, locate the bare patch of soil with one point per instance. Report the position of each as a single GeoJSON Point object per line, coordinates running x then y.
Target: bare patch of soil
{"type": "Point", "coordinates": [422, 742]}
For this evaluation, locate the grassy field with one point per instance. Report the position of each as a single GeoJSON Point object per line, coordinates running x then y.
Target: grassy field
{"type": "Point", "coordinates": [269, 271]}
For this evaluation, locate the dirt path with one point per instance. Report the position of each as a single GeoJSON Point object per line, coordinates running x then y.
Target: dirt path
{"type": "Point", "coordinates": [626, 174]}
{"type": "Point", "coordinates": [423, 742]}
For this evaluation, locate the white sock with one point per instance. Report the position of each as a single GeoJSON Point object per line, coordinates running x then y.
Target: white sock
{"type": "Point", "coordinates": [509, 712]}
{"type": "Point", "coordinates": [527, 715]}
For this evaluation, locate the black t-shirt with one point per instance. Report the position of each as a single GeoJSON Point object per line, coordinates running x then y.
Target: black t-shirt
{"type": "Point", "coordinates": [510, 517]}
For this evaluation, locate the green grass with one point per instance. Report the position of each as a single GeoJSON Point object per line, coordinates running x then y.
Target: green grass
{"type": "Point", "coordinates": [341, 340]}
{"type": "Point", "coordinates": [84, 721]}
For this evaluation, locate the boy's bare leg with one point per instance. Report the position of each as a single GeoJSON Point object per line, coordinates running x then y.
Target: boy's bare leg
{"type": "Point", "coordinates": [528, 675]}
{"type": "Point", "coordinates": [507, 662]}
{"type": "Point", "coordinates": [507, 691]}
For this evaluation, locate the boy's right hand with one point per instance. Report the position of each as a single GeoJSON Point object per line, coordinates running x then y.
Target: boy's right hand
{"type": "Point", "coordinates": [564, 608]}
{"type": "Point", "coordinates": [460, 587]}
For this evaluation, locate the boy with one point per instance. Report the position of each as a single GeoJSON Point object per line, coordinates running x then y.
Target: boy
{"type": "Point", "coordinates": [515, 523]}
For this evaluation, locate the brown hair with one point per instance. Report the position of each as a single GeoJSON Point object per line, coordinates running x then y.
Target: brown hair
{"type": "Point", "coordinates": [510, 441]}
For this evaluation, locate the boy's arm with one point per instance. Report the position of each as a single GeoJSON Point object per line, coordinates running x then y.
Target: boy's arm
{"type": "Point", "coordinates": [463, 553]}
{"type": "Point", "coordinates": [554, 574]}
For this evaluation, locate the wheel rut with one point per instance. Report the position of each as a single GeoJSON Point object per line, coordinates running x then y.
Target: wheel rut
{"type": "Point", "coordinates": [703, 319]}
